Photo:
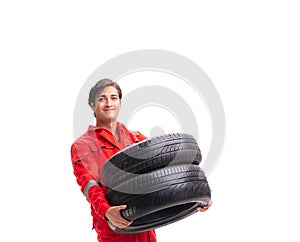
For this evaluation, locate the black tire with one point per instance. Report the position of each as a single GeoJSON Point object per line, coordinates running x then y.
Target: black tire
{"type": "Point", "coordinates": [158, 219]}
{"type": "Point", "coordinates": [155, 181]}
{"type": "Point", "coordinates": [171, 200]}
{"type": "Point", "coordinates": [149, 155]}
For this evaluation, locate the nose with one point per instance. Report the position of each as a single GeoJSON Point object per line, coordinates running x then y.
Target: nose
{"type": "Point", "coordinates": [108, 102]}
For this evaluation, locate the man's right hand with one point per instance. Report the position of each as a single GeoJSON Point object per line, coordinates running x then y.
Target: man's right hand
{"type": "Point", "coordinates": [114, 216]}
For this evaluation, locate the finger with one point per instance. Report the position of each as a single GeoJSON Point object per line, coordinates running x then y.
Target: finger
{"type": "Point", "coordinates": [124, 221]}
{"type": "Point", "coordinates": [123, 225]}
{"type": "Point", "coordinates": [201, 209]}
{"type": "Point", "coordinates": [120, 207]}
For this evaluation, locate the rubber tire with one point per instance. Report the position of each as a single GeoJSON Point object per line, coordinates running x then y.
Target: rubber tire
{"type": "Point", "coordinates": [149, 155]}
{"type": "Point", "coordinates": [173, 200]}
{"type": "Point", "coordinates": [154, 181]}
{"type": "Point", "coordinates": [168, 216]}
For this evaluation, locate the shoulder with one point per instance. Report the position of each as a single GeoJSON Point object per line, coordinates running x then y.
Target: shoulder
{"type": "Point", "coordinates": [137, 135]}
{"type": "Point", "coordinates": [82, 141]}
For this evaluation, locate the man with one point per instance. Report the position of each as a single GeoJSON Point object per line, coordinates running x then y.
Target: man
{"type": "Point", "coordinates": [90, 151]}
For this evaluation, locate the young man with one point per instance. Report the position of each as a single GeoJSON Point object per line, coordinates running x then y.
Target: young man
{"type": "Point", "coordinates": [90, 151]}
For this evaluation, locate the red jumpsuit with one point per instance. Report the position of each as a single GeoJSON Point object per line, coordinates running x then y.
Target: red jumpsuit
{"type": "Point", "coordinates": [89, 152]}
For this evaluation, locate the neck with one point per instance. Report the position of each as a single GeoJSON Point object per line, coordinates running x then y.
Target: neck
{"type": "Point", "coordinates": [111, 126]}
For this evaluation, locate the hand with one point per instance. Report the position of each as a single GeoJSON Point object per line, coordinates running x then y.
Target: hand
{"type": "Point", "coordinates": [114, 216]}
{"type": "Point", "coordinates": [203, 209]}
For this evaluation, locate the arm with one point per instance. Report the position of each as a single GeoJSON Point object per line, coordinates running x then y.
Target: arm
{"type": "Point", "coordinates": [93, 190]}
{"type": "Point", "coordinates": [89, 186]}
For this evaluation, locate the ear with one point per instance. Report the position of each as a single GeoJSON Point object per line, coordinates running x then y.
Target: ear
{"type": "Point", "coordinates": [92, 105]}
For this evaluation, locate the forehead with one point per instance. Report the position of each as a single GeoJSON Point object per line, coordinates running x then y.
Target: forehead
{"type": "Point", "coordinates": [108, 91]}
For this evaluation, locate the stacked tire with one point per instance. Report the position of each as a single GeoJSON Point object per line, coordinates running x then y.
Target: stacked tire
{"type": "Point", "coordinates": [159, 179]}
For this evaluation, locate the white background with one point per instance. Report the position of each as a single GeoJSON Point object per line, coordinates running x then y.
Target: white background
{"type": "Point", "coordinates": [249, 49]}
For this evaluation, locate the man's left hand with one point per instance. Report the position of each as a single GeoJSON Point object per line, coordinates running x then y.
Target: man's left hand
{"type": "Point", "coordinates": [203, 209]}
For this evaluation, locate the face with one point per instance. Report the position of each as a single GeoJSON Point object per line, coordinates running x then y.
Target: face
{"type": "Point", "coordinates": [107, 105]}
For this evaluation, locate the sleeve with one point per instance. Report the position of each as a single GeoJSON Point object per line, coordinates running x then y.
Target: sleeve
{"type": "Point", "coordinates": [89, 186]}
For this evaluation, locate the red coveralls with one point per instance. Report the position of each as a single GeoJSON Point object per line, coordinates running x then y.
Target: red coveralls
{"type": "Point", "coordinates": [89, 152]}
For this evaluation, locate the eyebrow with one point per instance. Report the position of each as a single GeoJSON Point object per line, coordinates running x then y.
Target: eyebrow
{"type": "Point", "coordinates": [112, 95]}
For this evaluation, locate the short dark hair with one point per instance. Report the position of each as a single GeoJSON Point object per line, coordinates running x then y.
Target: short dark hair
{"type": "Point", "coordinates": [100, 86]}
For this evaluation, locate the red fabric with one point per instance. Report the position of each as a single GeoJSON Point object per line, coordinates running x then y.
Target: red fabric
{"type": "Point", "coordinates": [89, 152]}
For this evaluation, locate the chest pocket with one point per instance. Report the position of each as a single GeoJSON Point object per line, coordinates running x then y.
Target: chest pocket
{"type": "Point", "coordinates": [100, 152]}
{"type": "Point", "coordinates": [95, 146]}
